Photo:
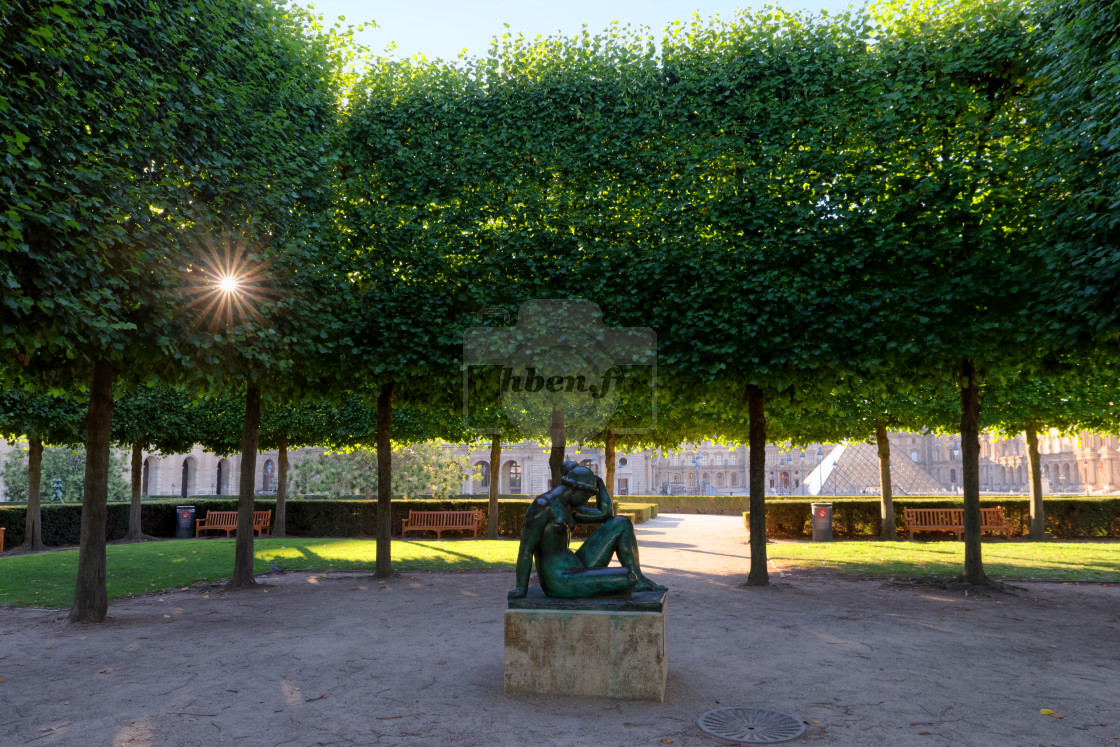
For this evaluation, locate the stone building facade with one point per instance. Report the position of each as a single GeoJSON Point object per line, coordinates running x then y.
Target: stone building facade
{"type": "Point", "coordinates": [196, 473]}
{"type": "Point", "coordinates": [1086, 464]}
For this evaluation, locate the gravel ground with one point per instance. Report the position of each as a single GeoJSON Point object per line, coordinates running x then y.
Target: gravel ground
{"type": "Point", "coordinates": [342, 659]}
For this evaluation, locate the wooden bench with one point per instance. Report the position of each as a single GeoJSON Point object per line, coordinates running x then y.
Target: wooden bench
{"type": "Point", "coordinates": [952, 520]}
{"type": "Point", "coordinates": [442, 521]}
{"type": "Point", "coordinates": [227, 522]}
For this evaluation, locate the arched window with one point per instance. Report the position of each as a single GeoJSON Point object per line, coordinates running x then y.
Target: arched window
{"type": "Point", "coordinates": [266, 482]}
{"type": "Point", "coordinates": [719, 479]}
{"type": "Point", "coordinates": [514, 478]}
{"type": "Point", "coordinates": [220, 483]}
{"type": "Point", "coordinates": [149, 477]}
{"type": "Point", "coordinates": [483, 479]}
{"type": "Point", "coordinates": [691, 479]}
{"type": "Point", "coordinates": [734, 479]}
{"type": "Point", "coordinates": [677, 477]}
{"type": "Point", "coordinates": [189, 477]}
{"type": "Point", "coordinates": [707, 478]}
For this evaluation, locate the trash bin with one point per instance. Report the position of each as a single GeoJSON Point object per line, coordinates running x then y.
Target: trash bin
{"type": "Point", "coordinates": [822, 522]}
{"type": "Point", "coordinates": [184, 522]}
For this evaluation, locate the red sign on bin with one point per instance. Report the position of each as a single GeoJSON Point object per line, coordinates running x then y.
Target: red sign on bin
{"type": "Point", "coordinates": [822, 512]}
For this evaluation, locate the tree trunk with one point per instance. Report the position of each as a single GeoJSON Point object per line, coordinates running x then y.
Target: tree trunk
{"type": "Point", "coordinates": [135, 532]}
{"type": "Point", "coordinates": [383, 566]}
{"type": "Point", "coordinates": [492, 509]}
{"type": "Point", "coordinates": [91, 599]}
{"type": "Point", "coordinates": [559, 444]}
{"type": "Point", "coordinates": [33, 530]}
{"type": "Point", "coordinates": [243, 549]}
{"type": "Point", "coordinates": [756, 410]}
{"type": "Point", "coordinates": [886, 503]}
{"type": "Point", "coordinates": [970, 471]}
{"type": "Point", "coordinates": [608, 457]}
{"type": "Point", "coordinates": [1034, 472]}
{"type": "Point", "coordinates": [278, 524]}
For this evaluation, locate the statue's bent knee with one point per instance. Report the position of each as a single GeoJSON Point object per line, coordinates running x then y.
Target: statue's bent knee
{"type": "Point", "coordinates": [622, 520]}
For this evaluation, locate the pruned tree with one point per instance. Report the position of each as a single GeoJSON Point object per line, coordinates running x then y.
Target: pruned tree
{"type": "Point", "coordinates": [41, 419]}
{"type": "Point", "coordinates": [188, 120]}
{"type": "Point", "coordinates": [957, 205]}
{"type": "Point", "coordinates": [156, 418]}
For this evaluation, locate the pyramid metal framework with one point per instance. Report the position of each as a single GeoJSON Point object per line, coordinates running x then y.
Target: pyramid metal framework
{"type": "Point", "coordinates": [853, 469]}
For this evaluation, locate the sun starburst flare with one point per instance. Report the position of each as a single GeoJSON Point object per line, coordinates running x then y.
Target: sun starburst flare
{"type": "Point", "coordinates": [227, 287]}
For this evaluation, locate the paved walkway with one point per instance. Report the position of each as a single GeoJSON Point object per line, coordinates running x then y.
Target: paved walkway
{"type": "Point", "coordinates": [340, 659]}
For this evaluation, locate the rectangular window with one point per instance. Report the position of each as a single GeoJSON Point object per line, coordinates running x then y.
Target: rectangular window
{"type": "Point", "coordinates": [623, 486]}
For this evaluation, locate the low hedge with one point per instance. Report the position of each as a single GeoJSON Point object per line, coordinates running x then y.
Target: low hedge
{"type": "Point", "coordinates": [62, 524]}
{"type": "Point", "coordinates": [1077, 517]}
{"type": "Point", "coordinates": [1082, 517]}
{"type": "Point", "coordinates": [321, 517]}
{"type": "Point", "coordinates": [639, 512]}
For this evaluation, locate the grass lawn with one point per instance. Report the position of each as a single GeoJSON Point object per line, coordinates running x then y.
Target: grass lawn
{"type": "Point", "coordinates": [47, 579]}
{"type": "Point", "coordinates": [1095, 561]}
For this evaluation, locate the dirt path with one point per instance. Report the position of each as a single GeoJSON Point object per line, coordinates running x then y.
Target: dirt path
{"type": "Point", "coordinates": [342, 659]}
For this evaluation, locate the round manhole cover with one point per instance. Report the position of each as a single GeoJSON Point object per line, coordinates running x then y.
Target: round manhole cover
{"type": "Point", "coordinates": [753, 725]}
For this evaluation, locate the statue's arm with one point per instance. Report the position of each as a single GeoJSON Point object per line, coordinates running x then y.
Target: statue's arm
{"type": "Point", "coordinates": [604, 507]}
{"type": "Point", "coordinates": [531, 532]}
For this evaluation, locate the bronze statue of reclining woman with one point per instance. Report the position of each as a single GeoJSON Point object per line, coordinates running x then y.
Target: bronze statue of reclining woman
{"type": "Point", "coordinates": [546, 538]}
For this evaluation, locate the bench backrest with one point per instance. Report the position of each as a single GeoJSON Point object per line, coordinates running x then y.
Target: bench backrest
{"type": "Point", "coordinates": [221, 518]}
{"type": "Point", "coordinates": [229, 518]}
{"type": "Point", "coordinates": [952, 516]}
{"type": "Point", "coordinates": [938, 516]}
{"type": "Point", "coordinates": [443, 518]}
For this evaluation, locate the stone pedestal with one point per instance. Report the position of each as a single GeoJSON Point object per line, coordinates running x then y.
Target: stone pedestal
{"type": "Point", "coordinates": [603, 647]}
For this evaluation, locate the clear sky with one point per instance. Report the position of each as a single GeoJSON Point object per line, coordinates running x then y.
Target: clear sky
{"type": "Point", "coordinates": [441, 28]}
